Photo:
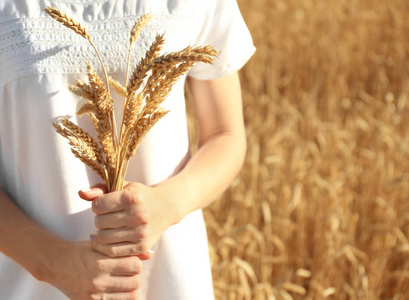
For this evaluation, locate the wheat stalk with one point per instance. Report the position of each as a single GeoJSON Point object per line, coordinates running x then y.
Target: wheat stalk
{"type": "Point", "coordinates": [110, 157]}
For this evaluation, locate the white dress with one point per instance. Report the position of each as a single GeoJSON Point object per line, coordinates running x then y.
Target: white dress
{"type": "Point", "coordinates": [39, 59]}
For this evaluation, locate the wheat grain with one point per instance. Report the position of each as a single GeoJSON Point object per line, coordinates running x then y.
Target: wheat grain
{"type": "Point", "coordinates": [86, 108]}
{"type": "Point", "coordinates": [119, 89]}
{"type": "Point", "coordinates": [86, 90]}
{"type": "Point", "coordinates": [77, 91]}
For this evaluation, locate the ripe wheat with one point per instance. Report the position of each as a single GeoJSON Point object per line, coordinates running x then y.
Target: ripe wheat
{"type": "Point", "coordinates": [109, 157]}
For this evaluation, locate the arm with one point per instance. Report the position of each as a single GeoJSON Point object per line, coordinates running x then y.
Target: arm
{"type": "Point", "coordinates": [73, 267]}
{"type": "Point", "coordinates": [18, 234]}
{"type": "Point", "coordinates": [132, 220]}
{"type": "Point", "coordinates": [222, 143]}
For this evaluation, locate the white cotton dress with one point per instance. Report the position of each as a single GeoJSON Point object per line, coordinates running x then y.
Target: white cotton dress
{"type": "Point", "coordinates": [39, 59]}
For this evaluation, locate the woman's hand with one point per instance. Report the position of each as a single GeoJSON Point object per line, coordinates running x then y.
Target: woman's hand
{"type": "Point", "coordinates": [130, 221]}
{"type": "Point", "coordinates": [80, 272]}
{"type": "Point", "coordinates": [74, 268]}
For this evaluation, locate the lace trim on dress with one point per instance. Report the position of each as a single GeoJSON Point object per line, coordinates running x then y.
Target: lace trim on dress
{"type": "Point", "coordinates": [42, 45]}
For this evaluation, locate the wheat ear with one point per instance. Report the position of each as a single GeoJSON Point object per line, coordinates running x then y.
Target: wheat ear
{"type": "Point", "coordinates": [138, 26]}
{"type": "Point", "coordinates": [119, 89]}
{"type": "Point", "coordinates": [203, 54]}
{"type": "Point", "coordinates": [143, 67]}
{"type": "Point", "coordinates": [74, 25]}
{"type": "Point", "coordinates": [66, 21]}
{"type": "Point", "coordinates": [86, 108]}
{"type": "Point", "coordinates": [135, 32]}
{"type": "Point", "coordinates": [83, 145]}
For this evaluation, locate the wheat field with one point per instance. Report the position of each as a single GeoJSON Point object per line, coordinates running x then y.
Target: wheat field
{"type": "Point", "coordinates": [321, 207]}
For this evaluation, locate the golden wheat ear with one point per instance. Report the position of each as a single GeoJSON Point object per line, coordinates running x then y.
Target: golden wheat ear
{"type": "Point", "coordinates": [83, 145]}
{"type": "Point", "coordinates": [141, 70]}
{"type": "Point", "coordinates": [119, 89]}
{"type": "Point", "coordinates": [138, 26]}
{"type": "Point", "coordinates": [66, 21]}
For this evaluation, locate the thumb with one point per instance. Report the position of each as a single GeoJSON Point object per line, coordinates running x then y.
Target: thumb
{"type": "Point", "coordinates": [93, 192]}
{"type": "Point", "coordinates": [146, 255]}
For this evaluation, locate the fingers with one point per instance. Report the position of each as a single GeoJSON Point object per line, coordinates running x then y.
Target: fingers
{"type": "Point", "coordinates": [124, 250]}
{"type": "Point", "coordinates": [116, 296]}
{"type": "Point", "coordinates": [83, 273]}
{"type": "Point", "coordinates": [111, 202]}
{"type": "Point", "coordinates": [128, 283]}
{"type": "Point", "coordinates": [114, 220]}
{"type": "Point", "coordinates": [137, 235]}
{"type": "Point", "coordinates": [125, 266]}
{"type": "Point", "coordinates": [119, 235]}
{"type": "Point", "coordinates": [147, 255]}
{"type": "Point", "coordinates": [121, 219]}
{"type": "Point", "coordinates": [93, 192]}
{"type": "Point", "coordinates": [117, 284]}
{"type": "Point", "coordinates": [122, 266]}
{"type": "Point", "coordinates": [128, 199]}
{"type": "Point", "coordinates": [119, 280]}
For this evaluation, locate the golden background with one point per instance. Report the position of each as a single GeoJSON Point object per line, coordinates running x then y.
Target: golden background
{"type": "Point", "coordinates": [321, 207]}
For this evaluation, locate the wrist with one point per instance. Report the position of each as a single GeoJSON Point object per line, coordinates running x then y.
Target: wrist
{"type": "Point", "coordinates": [26, 242]}
{"type": "Point", "coordinates": [41, 252]}
{"type": "Point", "coordinates": [176, 191]}
{"type": "Point", "coordinates": [41, 261]}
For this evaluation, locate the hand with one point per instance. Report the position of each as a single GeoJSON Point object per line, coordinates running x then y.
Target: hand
{"type": "Point", "coordinates": [130, 221]}
{"type": "Point", "coordinates": [80, 272]}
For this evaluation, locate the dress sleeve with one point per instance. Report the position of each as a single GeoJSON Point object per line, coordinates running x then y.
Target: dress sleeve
{"type": "Point", "coordinates": [227, 32]}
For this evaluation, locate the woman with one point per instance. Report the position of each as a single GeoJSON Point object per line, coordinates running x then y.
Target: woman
{"type": "Point", "coordinates": [43, 224]}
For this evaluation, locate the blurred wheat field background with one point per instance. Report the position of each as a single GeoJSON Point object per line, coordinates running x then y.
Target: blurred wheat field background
{"type": "Point", "coordinates": [321, 207]}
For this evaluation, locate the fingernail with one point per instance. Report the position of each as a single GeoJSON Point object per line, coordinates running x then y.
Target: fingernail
{"type": "Point", "coordinates": [86, 190]}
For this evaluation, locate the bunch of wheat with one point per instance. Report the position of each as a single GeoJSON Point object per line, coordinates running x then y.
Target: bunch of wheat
{"type": "Point", "coordinates": [142, 104]}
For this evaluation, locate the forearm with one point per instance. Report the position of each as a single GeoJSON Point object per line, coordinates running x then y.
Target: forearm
{"type": "Point", "coordinates": [74, 268]}
{"type": "Point", "coordinates": [208, 173]}
{"type": "Point", "coordinates": [222, 145]}
{"type": "Point", "coordinates": [21, 239]}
